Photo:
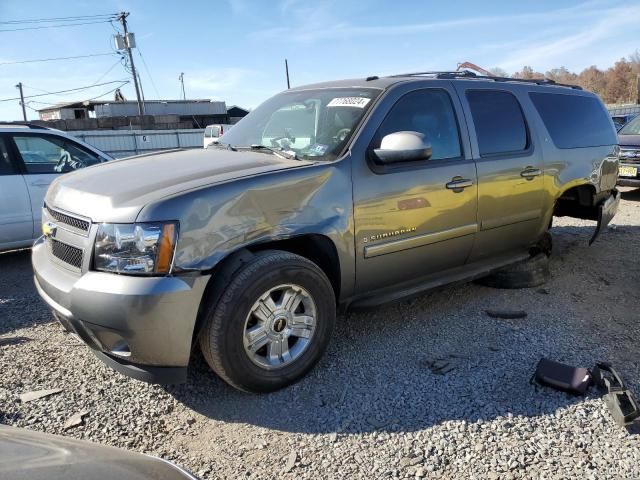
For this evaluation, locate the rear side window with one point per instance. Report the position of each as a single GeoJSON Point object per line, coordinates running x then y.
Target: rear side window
{"type": "Point", "coordinates": [6, 168]}
{"type": "Point", "coordinates": [574, 121]}
{"type": "Point", "coordinates": [499, 122]}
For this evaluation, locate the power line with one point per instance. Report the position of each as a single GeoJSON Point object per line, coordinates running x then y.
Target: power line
{"type": "Point", "coordinates": [56, 58]}
{"type": "Point", "coordinates": [55, 26]}
{"type": "Point", "coordinates": [58, 19]}
{"type": "Point", "coordinates": [122, 82]}
{"type": "Point", "coordinates": [79, 101]}
{"type": "Point", "coordinates": [144, 62]}
{"type": "Point", "coordinates": [107, 72]}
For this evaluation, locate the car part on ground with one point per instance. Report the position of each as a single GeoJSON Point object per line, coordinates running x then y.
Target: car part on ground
{"type": "Point", "coordinates": [618, 398]}
{"type": "Point", "coordinates": [563, 377]}
{"type": "Point", "coordinates": [528, 273]}
{"type": "Point", "coordinates": [506, 314]}
{"type": "Point", "coordinates": [31, 455]}
{"type": "Point", "coordinates": [621, 401]}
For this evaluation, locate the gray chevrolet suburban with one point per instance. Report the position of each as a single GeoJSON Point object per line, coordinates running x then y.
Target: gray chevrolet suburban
{"type": "Point", "coordinates": [328, 196]}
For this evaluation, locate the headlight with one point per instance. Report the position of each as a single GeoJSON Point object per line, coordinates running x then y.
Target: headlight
{"type": "Point", "coordinates": [135, 248]}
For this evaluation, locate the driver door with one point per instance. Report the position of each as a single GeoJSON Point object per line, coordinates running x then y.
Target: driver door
{"type": "Point", "coordinates": [44, 157]}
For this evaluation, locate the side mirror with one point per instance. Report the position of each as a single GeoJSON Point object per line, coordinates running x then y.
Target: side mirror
{"type": "Point", "coordinates": [403, 147]}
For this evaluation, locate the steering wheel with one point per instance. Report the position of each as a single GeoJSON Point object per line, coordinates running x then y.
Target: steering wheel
{"type": "Point", "coordinates": [62, 161]}
{"type": "Point", "coordinates": [342, 134]}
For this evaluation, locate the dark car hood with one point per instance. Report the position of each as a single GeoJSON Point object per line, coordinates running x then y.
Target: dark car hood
{"type": "Point", "coordinates": [116, 191]}
{"type": "Point", "coordinates": [31, 455]}
{"type": "Point", "coordinates": [629, 140]}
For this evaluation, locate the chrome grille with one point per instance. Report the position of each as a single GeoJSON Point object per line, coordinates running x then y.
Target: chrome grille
{"type": "Point", "coordinates": [630, 155]}
{"type": "Point", "coordinates": [66, 253]}
{"type": "Point", "coordinates": [71, 221]}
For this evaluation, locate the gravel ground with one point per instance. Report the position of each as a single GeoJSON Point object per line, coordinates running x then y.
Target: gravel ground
{"type": "Point", "coordinates": [374, 407]}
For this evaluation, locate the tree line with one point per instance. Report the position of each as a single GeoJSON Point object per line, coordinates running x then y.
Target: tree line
{"type": "Point", "coordinates": [617, 84]}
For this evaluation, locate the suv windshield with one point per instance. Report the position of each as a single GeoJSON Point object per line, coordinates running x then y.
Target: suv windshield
{"type": "Point", "coordinates": [631, 128]}
{"type": "Point", "coordinates": [311, 123]}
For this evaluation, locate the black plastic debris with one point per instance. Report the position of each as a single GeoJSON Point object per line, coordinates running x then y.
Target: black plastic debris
{"type": "Point", "coordinates": [619, 399]}
{"type": "Point", "coordinates": [563, 377]}
{"type": "Point", "coordinates": [506, 314]}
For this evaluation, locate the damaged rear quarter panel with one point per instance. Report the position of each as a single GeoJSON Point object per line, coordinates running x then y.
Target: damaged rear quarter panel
{"type": "Point", "coordinates": [217, 220]}
{"type": "Point", "coordinates": [596, 166]}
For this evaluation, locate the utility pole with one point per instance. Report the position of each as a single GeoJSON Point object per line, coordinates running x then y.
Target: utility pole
{"type": "Point", "coordinates": [286, 68]}
{"type": "Point", "coordinates": [181, 78]}
{"type": "Point", "coordinates": [123, 19]}
{"type": "Point", "coordinates": [24, 110]}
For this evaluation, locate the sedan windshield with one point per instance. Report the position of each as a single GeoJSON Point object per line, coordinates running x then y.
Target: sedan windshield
{"type": "Point", "coordinates": [631, 128]}
{"type": "Point", "coordinates": [310, 123]}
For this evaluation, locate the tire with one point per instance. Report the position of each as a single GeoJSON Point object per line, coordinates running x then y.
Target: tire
{"type": "Point", "coordinates": [528, 273]}
{"type": "Point", "coordinates": [268, 280]}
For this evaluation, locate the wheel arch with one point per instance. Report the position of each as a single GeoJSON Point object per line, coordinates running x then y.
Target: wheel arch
{"type": "Point", "coordinates": [317, 248]}
{"type": "Point", "coordinates": [577, 201]}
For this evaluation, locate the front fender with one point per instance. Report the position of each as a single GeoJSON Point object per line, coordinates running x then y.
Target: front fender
{"type": "Point", "coordinates": [219, 220]}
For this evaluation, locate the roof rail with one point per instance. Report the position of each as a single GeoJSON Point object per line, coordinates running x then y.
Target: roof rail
{"type": "Point", "coordinates": [33, 126]}
{"type": "Point", "coordinates": [469, 74]}
{"type": "Point", "coordinates": [438, 74]}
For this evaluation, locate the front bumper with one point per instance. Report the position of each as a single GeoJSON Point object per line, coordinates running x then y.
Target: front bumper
{"type": "Point", "coordinates": [140, 326]}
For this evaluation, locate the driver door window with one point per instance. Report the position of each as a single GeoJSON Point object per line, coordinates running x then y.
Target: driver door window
{"type": "Point", "coordinates": [431, 113]}
{"type": "Point", "coordinates": [51, 155]}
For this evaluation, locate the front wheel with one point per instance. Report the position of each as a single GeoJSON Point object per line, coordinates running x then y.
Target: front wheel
{"type": "Point", "coordinates": [271, 324]}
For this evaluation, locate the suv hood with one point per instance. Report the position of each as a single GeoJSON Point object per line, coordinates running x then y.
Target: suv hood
{"type": "Point", "coordinates": [116, 191]}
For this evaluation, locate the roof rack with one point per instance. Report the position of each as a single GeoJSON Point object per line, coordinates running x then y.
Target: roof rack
{"type": "Point", "coordinates": [33, 126]}
{"type": "Point", "coordinates": [471, 75]}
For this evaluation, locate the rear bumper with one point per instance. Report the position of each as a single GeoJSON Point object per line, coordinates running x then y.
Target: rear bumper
{"type": "Point", "coordinates": [140, 326]}
{"type": "Point", "coordinates": [606, 211]}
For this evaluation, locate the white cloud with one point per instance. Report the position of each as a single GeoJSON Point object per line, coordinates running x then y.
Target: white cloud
{"type": "Point", "coordinates": [321, 24]}
{"type": "Point", "coordinates": [557, 49]}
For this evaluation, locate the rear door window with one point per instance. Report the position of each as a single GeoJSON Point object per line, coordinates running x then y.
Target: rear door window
{"type": "Point", "coordinates": [499, 122]}
{"type": "Point", "coordinates": [574, 121]}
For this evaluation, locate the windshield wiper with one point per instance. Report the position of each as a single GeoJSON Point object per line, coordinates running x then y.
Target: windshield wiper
{"type": "Point", "coordinates": [289, 155]}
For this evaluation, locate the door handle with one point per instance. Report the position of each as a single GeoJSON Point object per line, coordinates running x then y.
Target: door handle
{"type": "Point", "coordinates": [40, 183]}
{"type": "Point", "coordinates": [458, 184]}
{"type": "Point", "coordinates": [530, 172]}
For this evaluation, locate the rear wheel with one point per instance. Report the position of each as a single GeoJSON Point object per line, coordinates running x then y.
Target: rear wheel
{"type": "Point", "coordinates": [271, 324]}
{"type": "Point", "coordinates": [528, 273]}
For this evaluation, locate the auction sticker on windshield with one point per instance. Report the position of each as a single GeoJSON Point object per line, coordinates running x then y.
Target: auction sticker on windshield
{"type": "Point", "coordinates": [358, 102]}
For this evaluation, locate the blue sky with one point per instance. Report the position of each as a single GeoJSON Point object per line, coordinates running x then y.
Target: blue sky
{"type": "Point", "coordinates": [233, 50]}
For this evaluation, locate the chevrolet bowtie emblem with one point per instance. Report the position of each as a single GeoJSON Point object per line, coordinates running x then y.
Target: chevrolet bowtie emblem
{"type": "Point", "coordinates": [49, 229]}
